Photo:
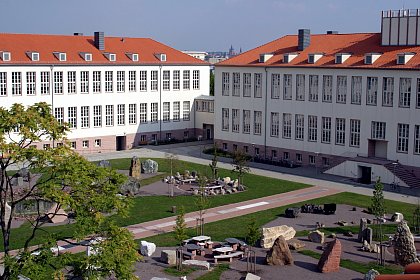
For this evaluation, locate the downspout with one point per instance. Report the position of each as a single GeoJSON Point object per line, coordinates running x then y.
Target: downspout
{"type": "Point", "coordinates": [160, 102]}
{"type": "Point", "coordinates": [52, 96]}
{"type": "Point", "coordinates": [265, 112]}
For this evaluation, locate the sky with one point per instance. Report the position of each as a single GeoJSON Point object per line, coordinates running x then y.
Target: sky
{"type": "Point", "coordinates": [199, 25]}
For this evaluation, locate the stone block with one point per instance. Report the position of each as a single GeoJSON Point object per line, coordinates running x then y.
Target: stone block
{"type": "Point", "coordinates": [295, 244]}
{"type": "Point", "coordinates": [168, 257]}
{"type": "Point", "coordinates": [197, 264]}
{"type": "Point", "coordinates": [147, 248]}
{"type": "Point", "coordinates": [280, 253]}
{"type": "Point", "coordinates": [316, 236]}
{"type": "Point", "coordinates": [330, 258]}
{"type": "Point", "coordinates": [397, 217]}
{"type": "Point", "coordinates": [135, 168]}
{"type": "Point", "coordinates": [269, 235]}
{"type": "Point", "coordinates": [251, 276]}
{"type": "Point", "coordinates": [362, 227]}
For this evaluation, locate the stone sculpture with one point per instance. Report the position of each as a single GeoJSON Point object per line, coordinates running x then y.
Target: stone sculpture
{"type": "Point", "coordinates": [330, 258]}
{"type": "Point", "coordinates": [362, 227]}
{"type": "Point", "coordinates": [135, 168]}
{"type": "Point", "coordinates": [404, 249]}
{"type": "Point", "coordinates": [280, 253]}
{"type": "Point", "coordinates": [269, 235]}
{"type": "Point", "coordinates": [149, 166]}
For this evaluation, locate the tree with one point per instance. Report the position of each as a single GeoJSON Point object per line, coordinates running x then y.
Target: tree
{"type": "Point", "coordinates": [253, 233]}
{"type": "Point", "coordinates": [72, 184]}
{"type": "Point", "coordinates": [240, 164]}
{"type": "Point", "coordinates": [173, 165]}
{"type": "Point", "coordinates": [180, 228]}
{"type": "Point", "coordinates": [211, 83]}
{"type": "Point", "coordinates": [377, 207]}
{"type": "Point", "coordinates": [214, 161]}
{"type": "Point", "coordinates": [202, 201]}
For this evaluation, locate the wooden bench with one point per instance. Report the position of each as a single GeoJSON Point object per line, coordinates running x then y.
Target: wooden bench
{"type": "Point", "coordinates": [228, 256]}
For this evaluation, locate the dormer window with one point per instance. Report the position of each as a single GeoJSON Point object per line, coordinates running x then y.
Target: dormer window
{"type": "Point", "coordinates": [86, 56]}
{"type": "Point", "coordinates": [403, 58]}
{"type": "Point", "coordinates": [133, 56]}
{"type": "Point", "coordinates": [264, 57]}
{"type": "Point", "coordinates": [161, 56]}
{"type": "Point", "coordinates": [289, 57]}
{"type": "Point", "coordinates": [5, 56]}
{"type": "Point", "coordinates": [34, 56]}
{"type": "Point", "coordinates": [61, 56]}
{"type": "Point", "coordinates": [314, 57]}
{"type": "Point", "coordinates": [341, 57]}
{"type": "Point", "coordinates": [370, 58]}
{"type": "Point", "coordinates": [111, 56]}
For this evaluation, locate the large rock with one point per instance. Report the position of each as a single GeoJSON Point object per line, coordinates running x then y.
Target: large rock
{"type": "Point", "coordinates": [250, 276]}
{"type": "Point", "coordinates": [404, 249]}
{"type": "Point", "coordinates": [168, 257]}
{"type": "Point", "coordinates": [269, 235]}
{"type": "Point", "coordinates": [371, 274]}
{"type": "Point", "coordinates": [316, 236]}
{"type": "Point", "coordinates": [135, 168]}
{"type": "Point", "coordinates": [397, 217]}
{"type": "Point", "coordinates": [197, 264]}
{"type": "Point", "coordinates": [131, 187]}
{"type": "Point", "coordinates": [280, 253]}
{"type": "Point", "coordinates": [362, 227]}
{"type": "Point", "coordinates": [330, 258]}
{"type": "Point", "coordinates": [295, 244]}
{"type": "Point", "coordinates": [104, 164]}
{"type": "Point", "coordinates": [147, 248]}
{"type": "Point", "coordinates": [149, 166]}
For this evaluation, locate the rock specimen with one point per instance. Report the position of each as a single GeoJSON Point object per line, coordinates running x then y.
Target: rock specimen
{"type": "Point", "coordinates": [104, 163]}
{"type": "Point", "coordinates": [168, 257]}
{"type": "Point", "coordinates": [330, 258]}
{"type": "Point", "coordinates": [250, 276]}
{"type": "Point", "coordinates": [149, 166]}
{"type": "Point", "coordinates": [292, 212]}
{"type": "Point", "coordinates": [404, 249]}
{"type": "Point", "coordinates": [130, 187]}
{"type": "Point", "coordinates": [147, 248]}
{"type": "Point", "coordinates": [135, 168]}
{"type": "Point", "coordinates": [316, 236]}
{"type": "Point", "coordinates": [371, 274]}
{"type": "Point", "coordinates": [280, 253]}
{"type": "Point", "coordinates": [397, 217]}
{"type": "Point", "coordinates": [197, 264]}
{"type": "Point", "coordinates": [295, 244]}
{"type": "Point", "coordinates": [269, 235]}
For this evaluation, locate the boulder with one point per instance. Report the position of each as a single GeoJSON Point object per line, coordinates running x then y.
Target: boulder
{"type": "Point", "coordinates": [104, 164]}
{"type": "Point", "coordinates": [269, 235]}
{"type": "Point", "coordinates": [371, 274]}
{"type": "Point", "coordinates": [197, 264]}
{"type": "Point", "coordinates": [295, 244]}
{"type": "Point", "coordinates": [330, 258]}
{"type": "Point", "coordinates": [280, 253]}
{"type": "Point", "coordinates": [316, 236]}
{"type": "Point", "coordinates": [131, 187]}
{"type": "Point", "coordinates": [292, 212]}
{"type": "Point", "coordinates": [147, 248]}
{"type": "Point", "coordinates": [397, 217]}
{"type": "Point", "coordinates": [362, 227]}
{"type": "Point", "coordinates": [404, 249]}
{"type": "Point", "coordinates": [168, 257]}
{"type": "Point", "coordinates": [149, 166]}
{"type": "Point", "coordinates": [135, 168]}
{"type": "Point", "coordinates": [250, 276]}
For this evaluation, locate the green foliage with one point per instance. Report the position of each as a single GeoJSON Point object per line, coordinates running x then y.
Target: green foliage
{"type": "Point", "coordinates": [253, 233]}
{"type": "Point", "coordinates": [211, 83]}
{"type": "Point", "coordinates": [180, 228]}
{"type": "Point", "coordinates": [202, 201]}
{"type": "Point", "coordinates": [240, 164]}
{"type": "Point", "coordinates": [377, 206]}
{"type": "Point", "coordinates": [177, 273]}
{"type": "Point", "coordinates": [214, 161]}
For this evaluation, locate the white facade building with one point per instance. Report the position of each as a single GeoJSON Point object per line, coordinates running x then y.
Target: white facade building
{"type": "Point", "coordinates": [196, 54]}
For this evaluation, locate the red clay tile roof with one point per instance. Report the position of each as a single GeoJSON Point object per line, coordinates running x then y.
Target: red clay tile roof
{"type": "Point", "coordinates": [19, 44]}
{"type": "Point", "coordinates": [329, 44]}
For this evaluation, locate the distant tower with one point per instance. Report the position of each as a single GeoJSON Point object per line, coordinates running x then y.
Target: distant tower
{"type": "Point", "coordinates": [240, 50]}
{"type": "Point", "coordinates": [231, 51]}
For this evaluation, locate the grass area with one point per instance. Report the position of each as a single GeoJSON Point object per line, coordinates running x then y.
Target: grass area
{"type": "Point", "coordinates": [175, 272]}
{"type": "Point", "coordinates": [357, 266]}
{"type": "Point", "coordinates": [215, 274]}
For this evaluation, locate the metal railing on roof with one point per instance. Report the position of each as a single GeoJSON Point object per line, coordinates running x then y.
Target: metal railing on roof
{"type": "Point", "coordinates": [401, 13]}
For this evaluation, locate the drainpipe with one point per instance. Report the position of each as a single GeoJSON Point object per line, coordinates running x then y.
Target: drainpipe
{"type": "Point", "coordinates": [160, 102]}
{"type": "Point", "coordinates": [52, 96]}
{"type": "Point", "coordinates": [265, 112]}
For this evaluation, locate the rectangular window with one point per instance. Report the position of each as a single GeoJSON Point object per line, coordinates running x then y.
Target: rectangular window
{"type": "Point", "coordinates": [45, 82]}
{"type": "Point", "coordinates": [120, 81]}
{"type": "Point", "coordinates": [186, 111]}
{"type": "Point", "coordinates": [313, 88]}
{"type": "Point", "coordinates": [340, 131]}
{"type": "Point", "coordinates": [58, 82]}
{"type": "Point", "coordinates": [225, 83]}
{"type": "Point", "coordinates": [299, 157]}
{"type": "Point", "coordinates": [196, 79]}
{"type": "Point", "coordinates": [246, 121]}
{"type": "Point", "coordinates": [132, 80]}
{"type": "Point", "coordinates": [121, 114]}
{"type": "Point", "coordinates": [275, 123]}
{"type": "Point", "coordinates": [225, 119]}
{"type": "Point", "coordinates": [236, 84]}
{"type": "Point", "coordinates": [286, 155]}
{"type": "Point", "coordinates": [85, 143]}
{"type": "Point", "coordinates": [287, 125]}
{"type": "Point", "coordinates": [96, 81]}
{"type": "Point", "coordinates": [235, 120]}
{"type": "Point", "coordinates": [166, 111]}
{"type": "Point", "coordinates": [257, 85]}
{"type": "Point", "coordinates": [312, 128]}
{"type": "Point", "coordinates": [109, 115]}
{"type": "Point", "coordinates": [166, 79]}
{"type": "Point", "coordinates": [98, 142]}
{"type": "Point", "coordinates": [327, 85]}
{"type": "Point", "coordinates": [59, 114]}
{"type": "Point", "coordinates": [417, 139]}
{"type": "Point", "coordinates": [3, 83]}
{"type": "Point", "coordinates": [274, 154]}
{"type": "Point", "coordinates": [299, 126]}
{"type": "Point", "coordinates": [372, 91]}
{"type": "Point", "coordinates": [109, 81]}
{"type": "Point", "coordinates": [341, 89]}
{"type": "Point", "coordinates": [30, 83]}
{"type": "Point", "coordinates": [84, 116]}
{"type": "Point", "coordinates": [378, 130]}
{"type": "Point", "coordinates": [257, 122]}
{"type": "Point", "coordinates": [176, 77]}
{"type": "Point", "coordinates": [17, 83]}
{"type": "Point", "coordinates": [143, 80]}
{"type": "Point", "coordinates": [186, 79]}
{"type": "Point", "coordinates": [402, 141]}
{"type": "Point", "coordinates": [300, 87]}
{"type": "Point", "coordinates": [326, 130]}
{"type": "Point", "coordinates": [97, 116]}
{"type": "Point", "coordinates": [72, 117]}
{"type": "Point", "coordinates": [418, 93]}
{"type": "Point", "coordinates": [388, 92]}
{"type": "Point", "coordinates": [132, 114]}
{"type": "Point", "coordinates": [153, 112]}
{"type": "Point", "coordinates": [275, 86]}
{"type": "Point", "coordinates": [154, 80]}
{"type": "Point", "coordinates": [143, 112]}
{"type": "Point", "coordinates": [356, 90]}
{"type": "Point", "coordinates": [84, 82]}
{"type": "Point", "coordinates": [287, 87]}
{"type": "Point", "coordinates": [176, 111]}
{"type": "Point", "coordinates": [405, 92]}
{"type": "Point", "coordinates": [355, 133]}
{"type": "Point", "coordinates": [247, 85]}
{"type": "Point", "coordinates": [71, 82]}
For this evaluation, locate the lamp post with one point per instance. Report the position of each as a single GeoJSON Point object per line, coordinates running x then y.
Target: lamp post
{"type": "Point", "coordinates": [316, 162]}
{"type": "Point", "coordinates": [253, 147]}
{"type": "Point", "coordinates": [394, 164]}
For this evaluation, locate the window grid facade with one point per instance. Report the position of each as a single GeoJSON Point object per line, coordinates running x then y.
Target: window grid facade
{"type": "Point", "coordinates": [246, 122]}
{"type": "Point", "coordinates": [247, 85]}
{"type": "Point", "coordinates": [175, 79]}
{"type": "Point", "coordinates": [405, 92]}
{"type": "Point", "coordinates": [417, 139]}
{"type": "Point", "coordinates": [418, 93]}
{"type": "Point", "coordinates": [30, 83]}
{"type": "Point", "coordinates": [341, 89]}
{"type": "Point", "coordinates": [96, 83]}
{"type": "Point", "coordinates": [97, 116]}
{"type": "Point", "coordinates": [275, 122]}
{"type": "Point", "coordinates": [402, 139]}
{"type": "Point", "coordinates": [153, 112]}
{"type": "Point", "coordinates": [166, 111]}
{"type": "Point", "coordinates": [59, 114]}
{"type": "Point", "coordinates": [312, 128]}
{"type": "Point", "coordinates": [287, 125]}
{"type": "Point", "coordinates": [356, 90]}
{"type": "Point", "coordinates": [257, 85]}
{"type": "Point", "coordinates": [300, 87]}
{"type": "Point", "coordinates": [143, 81]}
{"type": "Point", "coordinates": [58, 82]}
{"type": "Point", "coordinates": [327, 86]}
{"type": "Point", "coordinates": [121, 114]}
{"type": "Point", "coordinates": [71, 82]}
{"type": "Point", "coordinates": [120, 81]}
{"type": "Point", "coordinates": [275, 86]}
{"type": "Point", "coordinates": [299, 127]}
{"type": "Point", "coordinates": [3, 83]}
{"type": "Point", "coordinates": [186, 110]}
{"type": "Point", "coordinates": [132, 114]}
{"type": "Point", "coordinates": [84, 81]}
{"type": "Point", "coordinates": [257, 122]}
{"type": "Point", "coordinates": [313, 88]}
{"type": "Point", "coordinates": [154, 80]}
{"type": "Point", "coordinates": [225, 119]}
{"type": "Point", "coordinates": [236, 84]}
{"type": "Point", "coordinates": [176, 111]}
{"type": "Point", "coordinates": [378, 130]}
{"type": "Point", "coordinates": [84, 117]}
{"type": "Point", "coordinates": [132, 81]}
{"type": "Point", "coordinates": [166, 80]}
{"type": "Point", "coordinates": [355, 133]}
{"type": "Point", "coordinates": [143, 112]}
{"type": "Point", "coordinates": [196, 79]}
{"type": "Point", "coordinates": [340, 131]}
{"type": "Point", "coordinates": [45, 82]}
{"type": "Point", "coordinates": [388, 92]}
{"type": "Point", "coordinates": [186, 80]}
{"type": "Point", "coordinates": [109, 81]}
{"type": "Point", "coordinates": [109, 115]}
{"type": "Point", "coordinates": [72, 117]}
{"type": "Point", "coordinates": [235, 120]}
{"type": "Point", "coordinates": [326, 130]}
{"type": "Point", "coordinates": [17, 83]}
{"type": "Point", "coordinates": [372, 91]}
{"type": "Point", "coordinates": [287, 87]}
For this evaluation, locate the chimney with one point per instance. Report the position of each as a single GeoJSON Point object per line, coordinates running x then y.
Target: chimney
{"type": "Point", "coordinates": [304, 39]}
{"type": "Point", "coordinates": [78, 34]}
{"type": "Point", "coordinates": [330, 32]}
{"type": "Point", "coordinates": [99, 41]}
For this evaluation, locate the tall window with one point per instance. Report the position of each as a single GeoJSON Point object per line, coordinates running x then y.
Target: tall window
{"type": "Point", "coordinates": [247, 85]}
{"type": "Point", "coordinates": [186, 79]}
{"type": "Point", "coordinates": [72, 117]}
{"type": "Point", "coordinates": [84, 82]}
{"type": "Point", "coordinates": [84, 116]}
{"type": "Point", "coordinates": [225, 119]}
{"type": "Point", "coordinates": [109, 115]}
{"type": "Point", "coordinates": [299, 127]}
{"type": "Point", "coordinates": [405, 92]}
{"type": "Point", "coordinates": [275, 86]}
{"type": "Point", "coordinates": [275, 122]}
{"type": "Point", "coordinates": [246, 121]}
{"type": "Point", "coordinates": [418, 93]}
{"type": "Point", "coordinates": [96, 81]}
{"type": "Point", "coordinates": [236, 84]}
{"type": "Point", "coordinates": [312, 128]}
{"type": "Point", "coordinates": [176, 111]}
{"type": "Point", "coordinates": [326, 130]}
{"type": "Point", "coordinates": [143, 112]}
{"type": "Point", "coordinates": [97, 116]}
{"type": "Point", "coordinates": [153, 112]}
{"type": "Point", "coordinates": [166, 111]}
{"type": "Point", "coordinates": [341, 89]}
{"type": "Point", "coordinates": [235, 120]}
{"type": "Point", "coordinates": [45, 82]}
{"type": "Point", "coordinates": [372, 91]}
{"type": "Point", "coordinates": [59, 114]}
{"type": "Point", "coordinates": [300, 87]}
{"type": "Point", "coordinates": [388, 92]}
{"type": "Point", "coordinates": [3, 83]}
{"type": "Point", "coordinates": [257, 122]}
{"type": "Point", "coordinates": [313, 88]}
{"type": "Point", "coordinates": [417, 139]}
{"type": "Point", "coordinates": [109, 81]}
{"type": "Point", "coordinates": [143, 80]}
{"type": "Point", "coordinates": [287, 125]}
{"type": "Point", "coordinates": [166, 80]}
{"type": "Point", "coordinates": [71, 82]}
{"type": "Point", "coordinates": [327, 88]}
{"type": "Point", "coordinates": [30, 83]}
{"type": "Point", "coordinates": [378, 130]}
{"type": "Point", "coordinates": [340, 131]}
{"type": "Point", "coordinates": [402, 140]}
{"type": "Point", "coordinates": [186, 110]}
{"type": "Point", "coordinates": [120, 81]}
{"type": "Point", "coordinates": [355, 133]}
{"type": "Point", "coordinates": [257, 85]}
{"type": "Point", "coordinates": [176, 77]}
{"type": "Point", "coordinates": [17, 83]}
{"type": "Point", "coordinates": [356, 90]}
{"type": "Point", "coordinates": [225, 83]}
{"type": "Point", "coordinates": [132, 113]}
{"type": "Point", "coordinates": [132, 80]}
{"type": "Point", "coordinates": [121, 114]}
{"type": "Point", "coordinates": [196, 79]}
{"type": "Point", "coordinates": [58, 82]}
{"type": "Point", "coordinates": [287, 87]}
{"type": "Point", "coordinates": [154, 80]}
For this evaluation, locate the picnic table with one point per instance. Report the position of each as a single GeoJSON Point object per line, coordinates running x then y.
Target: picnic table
{"type": "Point", "coordinates": [235, 243]}
{"type": "Point", "coordinates": [201, 238]}
{"type": "Point", "coordinates": [223, 250]}
{"type": "Point", "coordinates": [193, 248]}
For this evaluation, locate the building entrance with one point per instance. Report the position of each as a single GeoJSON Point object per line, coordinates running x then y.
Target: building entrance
{"type": "Point", "coordinates": [365, 174]}
{"type": "Point", "coordinates": [121, 143]}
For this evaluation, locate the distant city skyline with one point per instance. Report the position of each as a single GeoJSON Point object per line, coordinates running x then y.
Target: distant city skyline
{"type": "Point", "coordinates": [196, 25]}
